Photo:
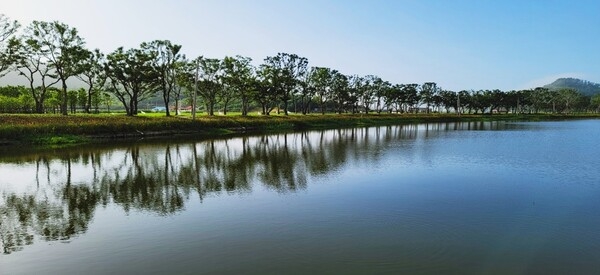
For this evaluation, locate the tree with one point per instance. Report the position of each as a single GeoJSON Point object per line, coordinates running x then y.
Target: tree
{"type": "Point", "coordinates": [265, 93]}
{"type": "Point", "coordinates": [7, 29]}
{"type": "Point", "coordinates": [166, 59]}
{"type": "Point", "coordinates": [491, 100]}
{"type": "Point", "coordinates": [306, 91]}
{"type": "Point", "coordinates": [285, 72]}
{"type": "Point", "coordinates": [427, 92]}
{"type": "Point", "coordinates": [131, 77]}
{"type": "Point", "coordinates": [93, 74]}
{"type": "Point", "coordinates": [106, 99]}
{"type": "Point", "coordinates": [355, 87]}
{"type": "Point", "coordinates": [53, 100]}
{"type": "Point", "coordinates": [72, 100]}
{"type": "Point", "coordinates": [209, 85]}
{"type": "Point", "coordinates": [321, 79]}
{"type": "Point", "coordinates": [391, 98]}
{"type": "Point", "coordinates": [62, 47]}
{"type": "Point", "coordinates": [366, 91]}
{"type": "Point", "coordinates": [15, 99]}
{"type": "Point", "coordinates": [238, 76]}
{"type": "Point", "coordinates": [448, 99]}
{"type": "Point", "coordinates": [97, 98]}
{"type": "Point", "coordinates": [595, 102]}
{"type": "Point", "coordinates": [523, 102]}
{"type": "Point", "coordinates": [381, 91]}
{"type": "Point", "coordinates": [340, 90]}
{"type": "Point", "coordinates": [568, 98]}
{"type": "Point", "coordinates": [409, 97]}
{"type": "Point", "coordinates": [186, 75]}
{"type": "Point", "coordinates": [181, 73]}
{"type": "Point", "coordinates": [31, 63]}
{"type": "Point", "coordinates": [539, 97]}
{"type": "Point", "coordinates": [463, 99]}
{"type": "Point", "coordinates": [478, 102]}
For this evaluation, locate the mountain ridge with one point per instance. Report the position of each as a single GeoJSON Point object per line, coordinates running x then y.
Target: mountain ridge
{"type": "Point", "coordinates": [586, 88]}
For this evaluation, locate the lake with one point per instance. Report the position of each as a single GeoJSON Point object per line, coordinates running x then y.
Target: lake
{"type": "Point", "coordinates": [449, 198]}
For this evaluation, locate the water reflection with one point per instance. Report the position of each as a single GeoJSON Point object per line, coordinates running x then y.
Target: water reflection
{"type": "Point", "coordinates": [53, 196]}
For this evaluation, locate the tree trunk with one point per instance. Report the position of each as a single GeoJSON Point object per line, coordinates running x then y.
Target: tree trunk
{"type": "Point", "coordinates": [211, 111]}
{"type": "Point", "coordinates": [244, 106]}
{"type": "Point", "coordinates": [166, 101]}
{"type": "Point", "coordinates": [63, 105]}
{"type": "Point", "coordinates": [39, 106]}
{"type": "Point", "coordinates": [88, 104]}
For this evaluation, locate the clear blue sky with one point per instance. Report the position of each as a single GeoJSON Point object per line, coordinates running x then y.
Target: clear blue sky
{"type": "Point", "coordinates": [460, 44]}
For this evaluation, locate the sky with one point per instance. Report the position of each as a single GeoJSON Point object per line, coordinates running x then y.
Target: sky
{"type": "Point", "coordinates": [459, 44]}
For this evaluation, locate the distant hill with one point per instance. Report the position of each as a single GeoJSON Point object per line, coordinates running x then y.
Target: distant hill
{"type": "Point", "coordinates": [584, 87]}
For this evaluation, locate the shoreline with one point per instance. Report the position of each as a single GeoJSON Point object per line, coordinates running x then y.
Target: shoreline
{"type": "Point", "coordinates": [56, 130]}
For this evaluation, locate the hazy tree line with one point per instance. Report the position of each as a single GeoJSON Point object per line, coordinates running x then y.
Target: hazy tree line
{"type": "Point", "coordinates": [47, 54]}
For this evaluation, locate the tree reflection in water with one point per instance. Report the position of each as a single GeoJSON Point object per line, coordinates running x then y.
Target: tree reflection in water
{"type": "Point", "coordinates": [64, 189]}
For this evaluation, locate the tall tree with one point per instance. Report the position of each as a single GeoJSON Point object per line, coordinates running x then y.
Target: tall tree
{"type": "Point", "coordinates": [181, 73]}
{"type": "Point", "coordinates": [595, 102]}
{"type": "Point", "coordinates": [321, 79]}
{"type": "Point", "coordinates": [538, 98]}
{"type": "Point", "coordinates": [366, 92]}
{"type": "Point", "coordinates": [265, 93]}
{"type": "Point", "coordinates": [340, 88]}
{"type": "Point", "coordinates": [306, 91]}
{"type": "Point", "coordinates": [63, 48]}
{"type": "Point", "coordinates": [409, 97]}
{"type": "Point", "coordinates": [210, 84]}
{"type": "Point", "coordinates": [238, 75]}
{"type": "Point", "coordinates": [567, 98]}
{"type": "Point", "coordinates": [31, 63]}
{"type": "Point", "coordinates": [463, 99]}
{"type": "Point", "coordinates": [93, 74]}
{"type": "Point", "coordinates": [186, 81]}
{"type": "Point", "coordinates": [380, 91]}
{"type": "Point", "coordinates": [285, 73]}
{"type": "Point", "coordinates": [448, 100]}
{"type": "Point", "coordinates": [356, 85]}
{"type": "Point", "coordinates": [428, 90]}
{"type": "Point", "coordinates": [166, 59]}
{"type": "Point", "coordinates": [131, 77]}
{"type": "Point", "coordinates": [7, 29]}
{"type": "Point", "coordinates": [392, 97]}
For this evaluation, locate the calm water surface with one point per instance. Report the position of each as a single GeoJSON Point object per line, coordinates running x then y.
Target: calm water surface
{"type": "Point", "coordinates": [457, 198]}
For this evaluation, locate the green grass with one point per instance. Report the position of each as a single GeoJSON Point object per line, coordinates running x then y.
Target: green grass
{"type": "Point", "coordinates": [58, 140]}
{"type": "Point", "coordinates": [81, 128]}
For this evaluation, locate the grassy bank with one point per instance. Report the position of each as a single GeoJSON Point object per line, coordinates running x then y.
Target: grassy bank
{"type": "Point", "coordinates": [56, 129]}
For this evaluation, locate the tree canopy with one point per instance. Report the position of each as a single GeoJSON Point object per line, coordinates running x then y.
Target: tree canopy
{"type": "Point", "coordinates": [49, 53]}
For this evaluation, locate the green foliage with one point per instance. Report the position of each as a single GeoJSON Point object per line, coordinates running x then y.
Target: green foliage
{"type": "Point", "coordinates": [283, 73]}
{"type": "Point", "coordinates": [165, 61]}
{"type": "Point", "coordinates": [93, 74]}
{"type": "Point", "coordinates": [131, 77]}
{"type": "Point", "coordinates": [58, 140]}
{"type": "Point", "coordinates": [238, 78]}
{"type": "Point", "coordinates": [62, 48]}
{"type": "Point", "coordinates": [7, 29]}
{"type": "Point", "coordinates": [595, 102]}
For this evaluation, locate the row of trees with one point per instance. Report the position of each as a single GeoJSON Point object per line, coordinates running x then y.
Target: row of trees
{"type": "Point", "coordinates": [47, 54]}
{"type": "Point", "coordinates": [18, 99]}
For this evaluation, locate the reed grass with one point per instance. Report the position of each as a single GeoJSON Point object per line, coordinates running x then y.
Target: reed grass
{"type": "Point", "coordinates": [82, 128]}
